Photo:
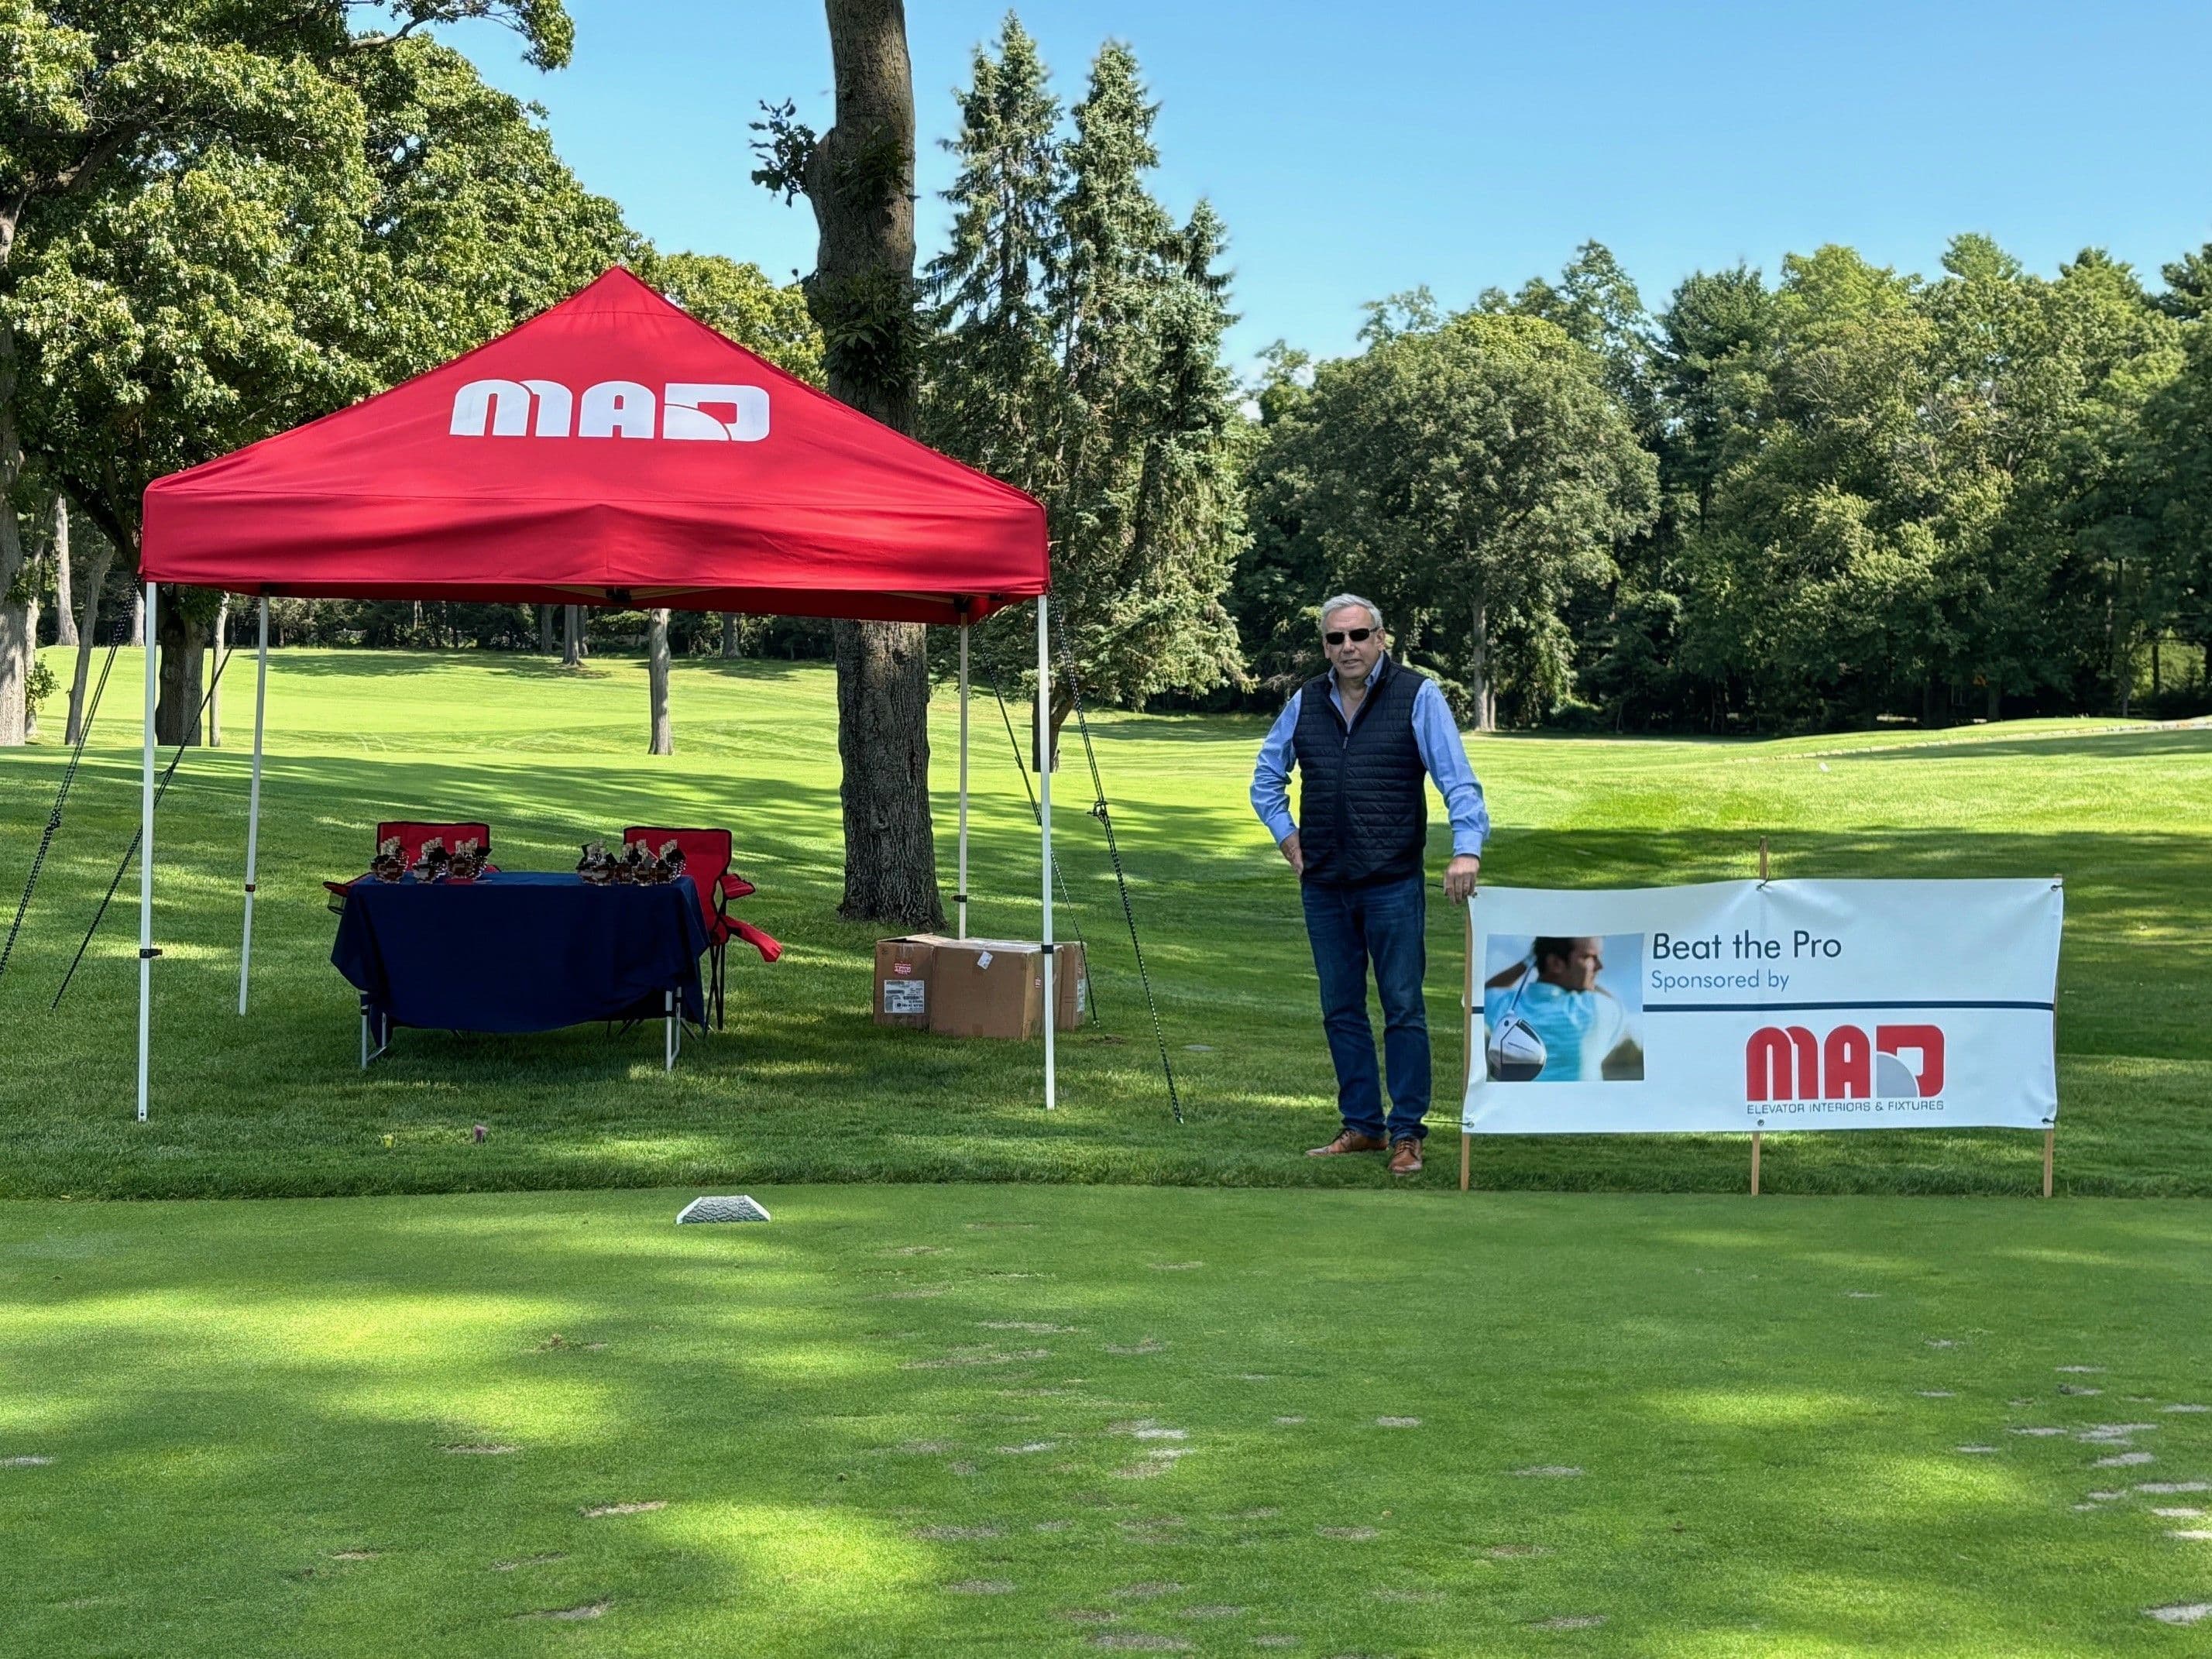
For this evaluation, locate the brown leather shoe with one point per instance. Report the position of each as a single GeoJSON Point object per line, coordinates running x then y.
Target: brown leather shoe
{"type": "Point", "coordinates": [1406, 1156]}
{"type": "Point", "coordinates": [1349, 1141]}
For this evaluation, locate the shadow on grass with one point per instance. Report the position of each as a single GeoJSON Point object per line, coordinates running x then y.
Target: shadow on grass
{"type": "Point", "coordinates": [2111, 746]}
{"type": "Point", "coordinates": [253, 1414]}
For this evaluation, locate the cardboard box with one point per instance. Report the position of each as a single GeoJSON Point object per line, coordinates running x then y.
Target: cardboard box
{"type": "Point", "coordinates": [902, 980]}
{"type": "Point", "coordinates": [1071, 986]}
{"type": "Point", "coordinates": [977, 988]}
{"type": "Point", "coordinates": [987, 988]}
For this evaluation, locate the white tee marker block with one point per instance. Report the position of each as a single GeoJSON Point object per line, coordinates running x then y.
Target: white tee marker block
{"type": "Point", "coordinates": [737, 1208]}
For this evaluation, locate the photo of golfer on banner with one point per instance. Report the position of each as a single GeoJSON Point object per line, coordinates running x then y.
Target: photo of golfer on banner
{"type": "Point", "coordinates": [1558, 1009]}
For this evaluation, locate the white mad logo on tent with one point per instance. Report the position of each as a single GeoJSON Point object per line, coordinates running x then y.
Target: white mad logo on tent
{"type": "Point", "coordinates": [612, 409]}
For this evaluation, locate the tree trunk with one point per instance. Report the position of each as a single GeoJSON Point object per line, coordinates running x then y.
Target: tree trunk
{"type": "Point", "coordinates": [730, 651]}
{"type": "Point", "coordinates": [64, 598]}
{"type": "Point", "coordinates": [216, 643]}
{"type": "Point", "coordinates": [137, 614]}
{"type": "Point", "coordinates": [1055, 716]}
{"type": "Point", "coordinates": [2157, 683]}
{"type": "Point", "coordinates": [176, 715]}
{"type": "Point", "coordinates": [1996, 698]}
{"type": "Point", "coordinates": [2115, 638]}
{"type": "Point", "coordinates": [87, 632]}
{"type": "Point", "coordinates": [572, 635]}
{"type": "Point", "coordinates": [15, 648]}
{"type": "Point", "coordinates": [545, 630]}
{"type": "Point", "coordinates": [863, 290]}
{"type": "Point", "coordinates": [31, 608]}
{"type": "Point", "coordinates": [14, 667]}
{"type": "Point", "coordinates": [1485, 717]}
{"type": "Point", "coordinates": [656, 679]}
{"type": "Point", "coordinates": [891, 853]}
{"type": "Point", "coordinates": [14, 651]}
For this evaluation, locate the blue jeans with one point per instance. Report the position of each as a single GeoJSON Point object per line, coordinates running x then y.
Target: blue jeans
{"type": "Point", "coordinates": [1387, 925]}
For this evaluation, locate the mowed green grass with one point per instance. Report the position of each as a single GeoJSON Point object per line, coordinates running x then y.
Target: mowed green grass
{"type": "Point", "coordinates": [804, 1087]}
{"type": "Point", "coordinates": [994, 1420]}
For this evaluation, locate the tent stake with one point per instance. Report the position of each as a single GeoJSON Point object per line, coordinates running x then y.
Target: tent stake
{"type": "Point", "coordinates": [1044, 828]}
{"type": "Point", "coordinates": [146, 862]}
{"type": "Point", "coordinates": [253, 806]}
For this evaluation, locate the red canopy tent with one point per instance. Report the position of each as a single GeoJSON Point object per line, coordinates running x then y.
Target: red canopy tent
{"type": "Point", "coordinates": [612, 450]}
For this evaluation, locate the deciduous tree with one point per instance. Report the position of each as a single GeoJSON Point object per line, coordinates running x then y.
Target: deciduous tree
{"type": "Point", "coordinates": [1479, 470]}
{"type": "Point", "coordinates": [184, 190]}
{"type": "Point", "coordinates": [858, 177]}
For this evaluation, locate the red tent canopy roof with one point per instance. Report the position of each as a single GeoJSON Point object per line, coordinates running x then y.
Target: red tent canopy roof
{"type": "Point", "coordinates": [611, 451]}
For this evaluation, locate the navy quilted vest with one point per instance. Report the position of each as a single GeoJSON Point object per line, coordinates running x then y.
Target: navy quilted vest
{"type": "Point", "coordinates": [1362, 796]}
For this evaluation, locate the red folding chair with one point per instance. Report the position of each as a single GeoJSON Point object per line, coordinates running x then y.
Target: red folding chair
{"type": "Point", "coordinates": [413, 833]}
{"type": "Point", "coordinates": [707, 860]}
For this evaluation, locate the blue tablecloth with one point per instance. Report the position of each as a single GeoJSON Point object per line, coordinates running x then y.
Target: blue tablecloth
{"type": "Point", "coordinates": [520, 950]}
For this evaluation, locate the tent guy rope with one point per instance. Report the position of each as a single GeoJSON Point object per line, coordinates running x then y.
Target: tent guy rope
{"type": "Point", "coordinates": [145, 829]}
{"type": "Point", "coordinates": [69, 776]}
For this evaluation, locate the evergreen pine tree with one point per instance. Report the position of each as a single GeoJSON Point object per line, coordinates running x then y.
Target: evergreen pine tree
{"type": "Point", "coordinates": [992, 373]}
{"type": "Point", "coordinates": [1079, 356]}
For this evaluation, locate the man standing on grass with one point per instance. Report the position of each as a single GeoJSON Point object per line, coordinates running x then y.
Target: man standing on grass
{"type": "Point", "coordinates": [1365, 736]}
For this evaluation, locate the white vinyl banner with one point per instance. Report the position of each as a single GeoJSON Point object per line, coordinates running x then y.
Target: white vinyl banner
{"type": "Point", "coordinates": [1779, 1005]}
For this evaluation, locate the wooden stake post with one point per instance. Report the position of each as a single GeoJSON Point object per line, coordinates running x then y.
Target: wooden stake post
{"type": "Point", "coordinates": [1755, 1135]}
{"type": "Point", "coordinates": [1466, 1048]}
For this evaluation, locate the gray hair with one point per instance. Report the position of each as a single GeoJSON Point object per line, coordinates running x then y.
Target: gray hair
{"type": "Point", "coordinates": [1346, 602]}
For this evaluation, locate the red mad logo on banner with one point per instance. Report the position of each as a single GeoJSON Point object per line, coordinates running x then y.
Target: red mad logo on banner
{"type": "Point", "coordinates": [1788, 1062]}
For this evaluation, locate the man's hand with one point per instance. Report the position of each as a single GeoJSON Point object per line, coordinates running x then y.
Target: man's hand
{"type": "Point", "coordinates": [1294, 854]}
{"type": "Point", "coordinates": [1458, 877]}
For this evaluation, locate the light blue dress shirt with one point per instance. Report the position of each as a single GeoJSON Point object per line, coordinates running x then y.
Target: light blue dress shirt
{"type": "Point", "coordinates": [1442, 753]}
{"type": "Point", "coordinates": [1579, 1028]}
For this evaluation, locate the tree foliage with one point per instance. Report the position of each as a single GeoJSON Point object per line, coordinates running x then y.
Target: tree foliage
{"type": "Point", "coordinates": [1473, 474]}
{"type": "Point", "coordinates": [1840, 494]}
{"type": "Point", "coordinates": [1078, 355]}
{"type": "Point", "coordinates": [227, 220]}
{"type": "Point", "coordinates": [1877, 495]}
{"type": "Point", "coordinates": [219, 218]}
{"type": "Point", "coordinates": [736, 299]}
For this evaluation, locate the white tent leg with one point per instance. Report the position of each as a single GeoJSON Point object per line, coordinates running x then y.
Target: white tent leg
{"type": "Point", "coordinates": [960, 890]}
{"type": "Point", "coordinates": [146, 863]}
{"type": "Point", "coordinates": [1044, 828]}
{"type": "Point", "coordinates": [253, 806]}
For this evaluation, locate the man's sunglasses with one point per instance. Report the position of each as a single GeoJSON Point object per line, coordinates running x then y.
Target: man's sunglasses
{"type": "Point", "coordinates": [1339, 636]}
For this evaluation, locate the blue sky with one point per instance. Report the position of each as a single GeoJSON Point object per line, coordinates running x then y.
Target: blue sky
{"type": "Point", "coordinates": [1358, 149]}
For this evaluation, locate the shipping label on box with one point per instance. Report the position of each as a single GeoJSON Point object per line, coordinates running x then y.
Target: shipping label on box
{"type": "Point", "coordinates": [904, 970]}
